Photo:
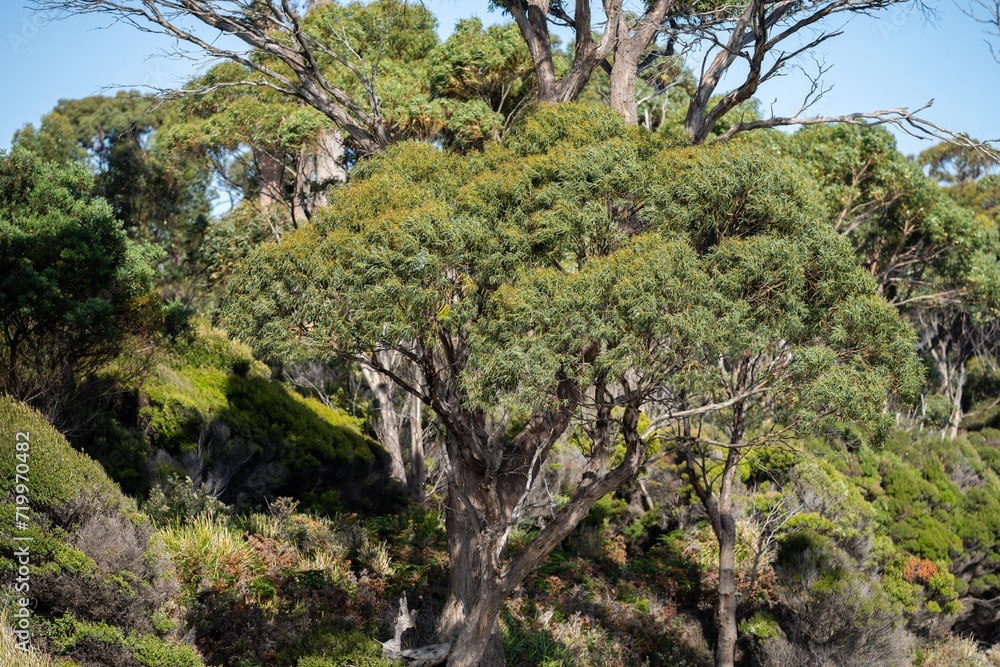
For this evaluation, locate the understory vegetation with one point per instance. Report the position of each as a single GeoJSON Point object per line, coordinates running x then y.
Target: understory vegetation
{"type": "Point", "coordinates": [861, 557]}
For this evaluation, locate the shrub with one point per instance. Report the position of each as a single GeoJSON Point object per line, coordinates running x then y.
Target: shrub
{"type": "Point", "coordinates": [209, 553]}
{"type": "Point", "coordinates": [952, 652]}
{"type": "Point", "coordinates": [58, 473]}
{"type": "Point", "coordinates": [344, 649]}
{"type": "Point", "coordinates": [93, 556]}
{"type": "Point", "coordinates": [832, 613]}
{"type": "Point", "coordinates": [113, 572]}
{"type": "Point", "coordinates": [100, 645]}
{"type": "Point", "coordinates": [918, 571]}
{"type": "Point", "coordinates": [175, 500]}
{"type": "Point", "coordinates": [73, 288]}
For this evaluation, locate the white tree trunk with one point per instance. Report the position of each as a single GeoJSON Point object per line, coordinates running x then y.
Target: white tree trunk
{"type": "Point", "coordinates": [319, 166]}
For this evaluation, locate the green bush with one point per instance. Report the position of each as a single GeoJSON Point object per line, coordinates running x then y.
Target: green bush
{"type": "Point", "coordinates": [58, 473]}
{"type": "Point", "coordinates": [760, 626]}
{"type": "Point", "coordinates": [353, 649]}
{"type": "Point", "coordinates": [69, 635]}
{"type": "Point", "coordinates": [338, 648]}
{"type": "Point", "coordinates": [73, 288]}
{"type": "Point", "coordinates": [92, 554]}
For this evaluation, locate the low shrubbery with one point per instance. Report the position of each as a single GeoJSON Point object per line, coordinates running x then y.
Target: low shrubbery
{"type": "Point", "coordinates": [98, 576]}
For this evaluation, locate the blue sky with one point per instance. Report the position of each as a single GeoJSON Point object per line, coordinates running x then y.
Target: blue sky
{"type": "Point", "coordinates": [896, 60]}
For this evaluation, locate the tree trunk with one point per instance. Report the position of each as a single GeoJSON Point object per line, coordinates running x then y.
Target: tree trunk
{"type": "Point", "coordinates": [414, 414]}
{"type": "Point", "coordinates": [479, 644]}
{"type": "Point", "coordinates": [630, 48]}
{"type": "Point", "coordinates": [725, 617]}
{"type": "Point", "coordinates": [469, 618]}
{"type": "Point", "coordinates": [956, 401]}
{"type": "Point", "coordinates": [387, 426]}
{"type": "Point", "coordinates": [319, 166]}
{"type": "Point", "coordinates": [272, 177]}
{"type": "Point", "coordinates": [623, 74]}
{"type": "Point", "coordinates": [725, 530]}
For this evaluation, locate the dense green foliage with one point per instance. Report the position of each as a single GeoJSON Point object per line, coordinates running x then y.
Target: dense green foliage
{"type": "Point", "coordinates": [606, 393]}
{"type": "Point", "coordinates": [159, 195]}
{"type": "Point", "coordinates": [73, 290]}
{"type": "Point", "coordinates": [524, 251]}
{"type": "Point", "coordinates": [100, 585]}
{"type": "Point", "coordinates": [218, 417]}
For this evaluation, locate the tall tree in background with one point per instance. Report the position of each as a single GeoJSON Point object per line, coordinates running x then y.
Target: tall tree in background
{"type": "Point", "coordinates": [932, 258]}
{"type": "Point", "coordinates": [160, 196]}
{"type": "Point", "coordinates": [291, 53]}
{"type": "Point", "coordinates": [304, 51]}
{"type": "Point", "coordinates": [765, 37]}
{"type": "Point", "coordinates": [363, 66]}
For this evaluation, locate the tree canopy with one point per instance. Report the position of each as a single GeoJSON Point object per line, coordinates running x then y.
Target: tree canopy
{"type": "Point", "coordinates": [579, 273]}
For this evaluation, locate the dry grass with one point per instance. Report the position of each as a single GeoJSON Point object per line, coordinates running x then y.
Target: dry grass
{"type": "Point", "coordinates": [11, 656]}
{"type": "Point", "coordinates": [210, 551]}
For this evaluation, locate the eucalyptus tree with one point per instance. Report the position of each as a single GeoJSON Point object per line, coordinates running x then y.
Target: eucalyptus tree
{"type": "Point", "coordinates": [291, 51]}
{"type": "Point", "coordinates": [762, 39]}
{"type": "Point", "coordinates": [803, 338]}
{"type": "Point", "coordinates": [934, 259]}
{"type": "Point", "coordinates": [279, 156]}
{"type": "Point", "coordinates": [565, 279]}
{"type": "Point", "coordinates": [362, 65]}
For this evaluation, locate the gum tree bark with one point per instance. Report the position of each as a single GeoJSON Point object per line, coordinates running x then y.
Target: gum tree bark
{"type": "Point", "coordinates": [625, 41]}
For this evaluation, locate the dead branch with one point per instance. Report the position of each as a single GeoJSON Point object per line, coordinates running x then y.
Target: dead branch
{"type": "Point", "coordinates": [280, 51]}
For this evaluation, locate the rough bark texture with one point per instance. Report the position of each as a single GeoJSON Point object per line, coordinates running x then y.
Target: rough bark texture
{"type": "Point", "coordinates": [479, 584]}
{"type": "Point", "coordinates": [479, 508]}
{"type": "Point", "coordinates": [473, 577]}
{"type": "Point", "coordinates": [622, 96]}
{"type": "Point", "coordinates": [725, 525]}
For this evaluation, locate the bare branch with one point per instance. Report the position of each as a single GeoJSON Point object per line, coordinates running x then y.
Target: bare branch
{"type": "Point", "coordinates": [906, 120]}
{"type": "Point", "coordinates": [986, 12]}
{"type": "Point", "coordinates": [280, 51]}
